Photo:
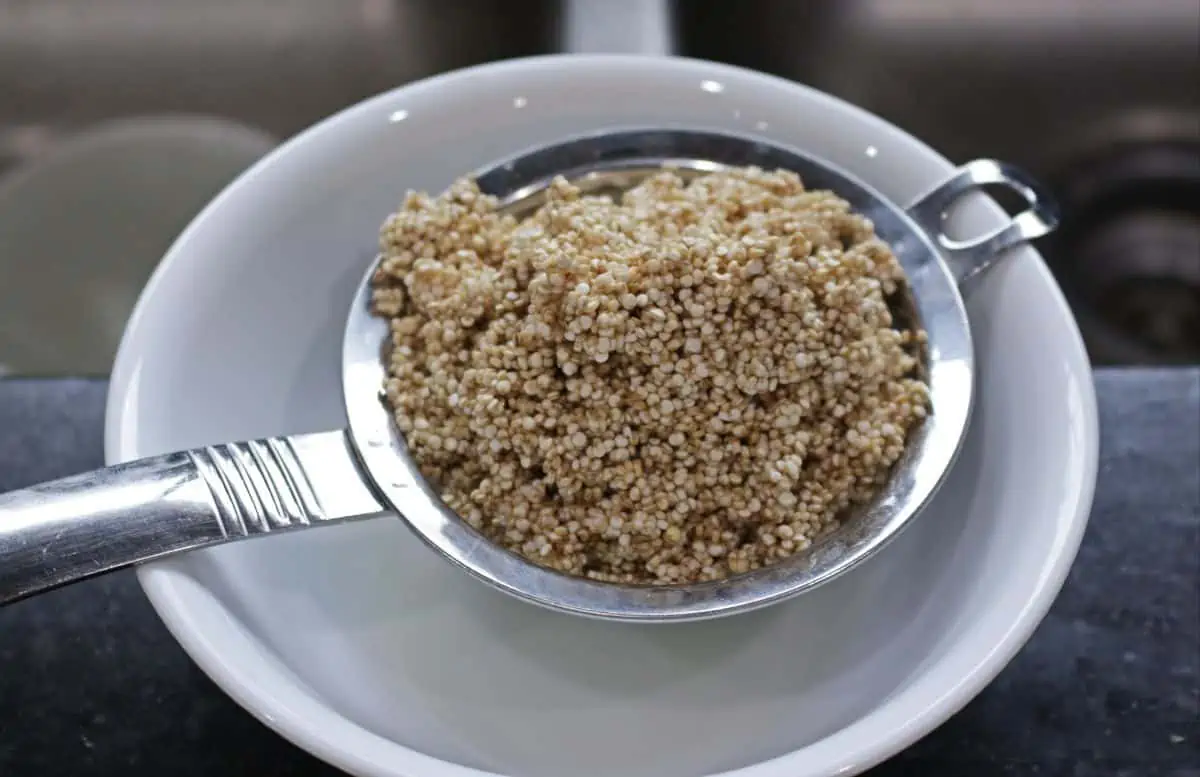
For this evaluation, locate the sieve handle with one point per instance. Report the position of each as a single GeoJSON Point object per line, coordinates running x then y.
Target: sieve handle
{"type": "Point", "coordinates": [67, 530]}
{"type": "Point", "coordinates": [970, 257]}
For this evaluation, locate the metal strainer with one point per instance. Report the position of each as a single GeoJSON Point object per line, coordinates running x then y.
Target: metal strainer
{"type": "Point", "coordinates": [66, 530]}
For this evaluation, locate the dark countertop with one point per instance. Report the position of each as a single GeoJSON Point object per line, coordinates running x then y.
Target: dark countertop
{"type": "Point", "coordinates": [91, 683]}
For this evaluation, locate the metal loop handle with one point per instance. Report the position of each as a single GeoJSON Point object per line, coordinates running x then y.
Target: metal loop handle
{"type": "Point", "coordinates": [970, 257]}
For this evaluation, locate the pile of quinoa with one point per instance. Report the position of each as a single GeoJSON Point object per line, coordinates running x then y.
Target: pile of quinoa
{"type": "Point", "coordinates": [693, 381]}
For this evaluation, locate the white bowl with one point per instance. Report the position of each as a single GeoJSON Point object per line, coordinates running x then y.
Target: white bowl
{"type": "Point", "coordinates": [362, 646]}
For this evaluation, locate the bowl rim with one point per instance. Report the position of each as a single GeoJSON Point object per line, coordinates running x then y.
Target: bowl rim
{"type": "Point", "coordinates": [345, 744]}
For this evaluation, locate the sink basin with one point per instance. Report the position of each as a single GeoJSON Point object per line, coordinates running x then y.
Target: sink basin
{"type": "Point", "coordinates": [274, 65]}
{"type": "Point", "coordinates": [1029, 82]}
{"type": "Point", "coordinates": [119, 119]}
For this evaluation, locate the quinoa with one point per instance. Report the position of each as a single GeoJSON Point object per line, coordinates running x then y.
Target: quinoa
{"type": "Point", "coordinates": [694, 380]}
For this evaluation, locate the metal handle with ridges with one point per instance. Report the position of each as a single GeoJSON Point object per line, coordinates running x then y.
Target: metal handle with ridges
{"type": "Point", "coordinates": [77, 527]}
{"type": "Point", "coordinates": [257, 486]}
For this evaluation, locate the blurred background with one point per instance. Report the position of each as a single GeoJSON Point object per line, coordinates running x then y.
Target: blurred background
{"type": "Point", "coordinates": [120, 119]}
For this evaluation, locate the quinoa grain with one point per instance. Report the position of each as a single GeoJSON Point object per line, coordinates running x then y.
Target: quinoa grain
{"type": "Point", "coordinates": [694, 381]}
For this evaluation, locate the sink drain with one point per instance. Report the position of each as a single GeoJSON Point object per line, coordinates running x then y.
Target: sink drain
{"type": "Point", "coordinates": [1128, 255]}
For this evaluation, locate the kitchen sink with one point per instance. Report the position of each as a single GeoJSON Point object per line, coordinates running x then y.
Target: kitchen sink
{"type": "Point", "coordinates": [1096, 97]}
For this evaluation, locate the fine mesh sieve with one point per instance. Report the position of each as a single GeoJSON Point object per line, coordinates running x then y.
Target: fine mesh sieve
{"type": "Point", "coordinates": [66, 530]}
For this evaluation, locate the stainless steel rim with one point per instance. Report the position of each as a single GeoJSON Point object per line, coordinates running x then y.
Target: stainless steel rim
{"type": "Point", "coordinates": [605, 157]}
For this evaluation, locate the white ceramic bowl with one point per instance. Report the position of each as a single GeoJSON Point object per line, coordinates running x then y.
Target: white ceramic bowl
{"type": "Point", "coordinates": [362, 646]}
